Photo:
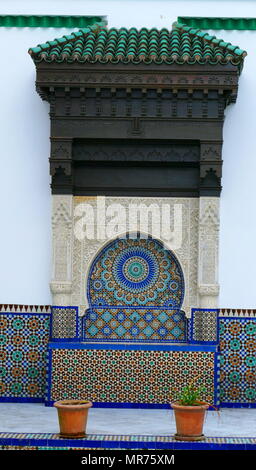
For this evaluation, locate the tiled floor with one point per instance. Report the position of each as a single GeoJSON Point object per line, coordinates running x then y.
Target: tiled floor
{"type": "Point", "coordinates": [36, 418]}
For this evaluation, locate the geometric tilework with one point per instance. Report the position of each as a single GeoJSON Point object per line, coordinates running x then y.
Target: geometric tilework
{"type": "Point", "coordinates": [204, 325]}
{"type": "Point", "coordinates": [14, 308]}
{"type": "Point", "coordinates": [64, 323]}
{"type": "Point", "coordinates": [237, 360]}
{"type": "Point", "coordinates": [119, 375]}
{"type": "Point", "coordinates": [49, 441]}
{"type": "Point", "coordinates": [128, 376]}
{"type": "Point", "coordinates": [135, 292]}
{"type": "Point", "coordinates": [23, 346]}
{"type": "Point", "coordinates": [136, 272]}
{"type": "Point", "coordinates": [130, 324]}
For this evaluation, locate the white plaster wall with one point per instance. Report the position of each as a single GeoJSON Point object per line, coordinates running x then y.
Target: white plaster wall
{"type": "Point", "coordinates": [25, 236]}
{"type": "Point", "coordinates": [138, 13]}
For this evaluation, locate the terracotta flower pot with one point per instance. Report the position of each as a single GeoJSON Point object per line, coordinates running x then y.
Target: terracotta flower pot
{"type": "Point", "coordinates": [72, 417]}
{"type": "Point", "coordinates": [189, 421]}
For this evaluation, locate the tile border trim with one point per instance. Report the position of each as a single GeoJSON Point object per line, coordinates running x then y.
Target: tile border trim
{"type": "Point", "coordinates": [217, 23]}
{"type": "Point", "coordinates": [49, 21]}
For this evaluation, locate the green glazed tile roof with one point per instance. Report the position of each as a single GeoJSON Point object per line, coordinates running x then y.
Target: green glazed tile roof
{"type": "Point", "coordinates": [98, 44]}
{"type": "Point", "coordinates": [218, 22]}
{"type": "Point", "coordinates": [49, 21]}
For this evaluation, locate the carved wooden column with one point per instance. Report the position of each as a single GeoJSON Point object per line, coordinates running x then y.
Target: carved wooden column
{"type": "Point", "coordinates": [61, 165]}
{"type": "Point", "coordinates": [208, 287]}
{"type": "Point", "coordinates": [210, 168]}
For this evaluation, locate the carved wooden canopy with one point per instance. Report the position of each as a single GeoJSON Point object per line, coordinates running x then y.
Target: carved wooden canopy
{"type": "Point", "coordinates": [137, 112]}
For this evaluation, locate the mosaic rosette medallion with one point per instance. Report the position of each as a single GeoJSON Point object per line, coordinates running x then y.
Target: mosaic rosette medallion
{"type": "Point", "coordinates": [136, 272]}
{"type": "Point", "coordinates": [136, 289]}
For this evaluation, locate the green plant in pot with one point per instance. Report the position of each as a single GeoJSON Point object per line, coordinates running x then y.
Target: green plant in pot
{"type": "Point", "coordinates": [189, 410]}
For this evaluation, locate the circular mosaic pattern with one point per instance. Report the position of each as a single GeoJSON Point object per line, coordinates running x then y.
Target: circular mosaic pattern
{"type": "Point", "coordinates": [235, 344]}
{"type": "Point", "coordinates": [235, 328]}
{"type": "Point", "coordinates": [2, 340]}
{"type": "Point", "coordinates": [17, 372]}
{"type": "Point", "coordinates": [135, 269]}
{"type": "Point", "coordinates": [18, 324]}
{"type": "Point", "coordinates": [3, 323]}
{"type": "Point", "coordinates": [235, 360]}
{"type": "Point", "coordinates": [250, 394]}
{"type": "Point", "coordinates": [250, 329]}
{"type": "Point", "coordinates": [238, 360]}
{"type": "Point", "coordinates": [250, 376]}
{"type": "Point", "coordinates": [2, 371]}
{"type": "Point", "coordinates": [250, 361]}
{"type": "Point", "coordinates": [136, 272]}
{"type": "Point", "coordinates": [250, 345]}
{"type": "Point", "coordinates": [234, 376]}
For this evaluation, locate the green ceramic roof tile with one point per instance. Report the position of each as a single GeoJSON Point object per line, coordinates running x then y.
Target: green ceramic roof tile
{"type": "Point", "coordinates": [228, 23]}
{"type": "Point", "coordinates": [212, 39]}
{"type": "Point", "coordinates": [96, 43]}
{"type": "Point", "coordinates": [48, 21]}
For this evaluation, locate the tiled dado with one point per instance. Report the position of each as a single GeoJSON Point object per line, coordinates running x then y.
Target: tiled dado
{"type": "Point", "coordinates": [47, 441]}
{"type": "Point", "coordinates": [139, 376]}
{"type": "Point", "coordinates": [23, 347]}
{"type": "Point", "coordinates": [237, 360]}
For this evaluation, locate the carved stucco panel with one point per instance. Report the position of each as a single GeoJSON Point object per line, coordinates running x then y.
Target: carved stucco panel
{"type": "Point", "coordinates": [208, 286]}
{"type": "Point", "coordinates": [193, 258]}
{"type": "Point", "coordinates": [182, 231]}
{"type": "Point", "coordinates": [62, 246]}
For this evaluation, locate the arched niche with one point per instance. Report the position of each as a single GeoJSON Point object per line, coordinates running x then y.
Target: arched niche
{"type": "Point", "coordinates": [135, 290]}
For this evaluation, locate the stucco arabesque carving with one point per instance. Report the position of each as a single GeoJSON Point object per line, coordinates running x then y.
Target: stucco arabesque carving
{"type": "Point", "coordinates": [208, 248]}
{"type": "Point", "coordinates": [62, 235]}
{"type": "Point", "coordinates": [85, 251]}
